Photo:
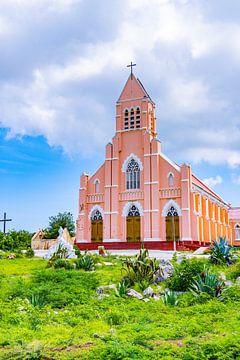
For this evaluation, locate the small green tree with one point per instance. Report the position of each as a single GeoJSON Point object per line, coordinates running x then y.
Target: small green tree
{"type": "Point", "coordinates": [65, 220]}
{"type": "Point", "coordinates": [15, 240]}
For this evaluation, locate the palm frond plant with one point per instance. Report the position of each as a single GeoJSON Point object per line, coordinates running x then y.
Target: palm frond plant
{"type": "Point", "coordinates": [122, 288]}
{"type": "Point", "coordinates": [85, 262]}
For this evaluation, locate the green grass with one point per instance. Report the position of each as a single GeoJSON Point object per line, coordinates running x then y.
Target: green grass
{"type": "Point", "coordinates": [55, 314]}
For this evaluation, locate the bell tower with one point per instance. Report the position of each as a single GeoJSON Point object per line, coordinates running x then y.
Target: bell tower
{"type": "Point", "coordinates": [135, 110]}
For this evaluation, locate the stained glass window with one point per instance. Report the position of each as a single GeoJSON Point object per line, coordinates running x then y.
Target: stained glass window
{"type": "Point", "coordinates": [96, 215]}
{"type": "Point", "coordinates": [237, 232]}
{"type": "Point", "coordinates": [133, 211]}
{"type": "Point", "coordinates": [172, 211]}
{"type": "Point", "coordinates": [133, 175]}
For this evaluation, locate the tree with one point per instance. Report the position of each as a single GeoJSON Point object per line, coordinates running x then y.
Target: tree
{"type": "Point", "coordinates": [15, 240]}
{"type": "Point", "coordinates": [65, 220]}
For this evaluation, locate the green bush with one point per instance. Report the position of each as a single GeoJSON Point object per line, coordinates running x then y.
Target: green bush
{"type": "Point", "coordinates": [15, 240]}
{"type": "Point", "coordinates": [184, 273]}
{"type": "Point", "coordinates": [63, 264]}
{"type": "Point", "coordinates": [29, 253]}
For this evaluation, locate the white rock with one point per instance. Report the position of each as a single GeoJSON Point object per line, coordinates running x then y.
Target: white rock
{"type": "Point", "coordinates": [156, 297]}
{"type": "Point", "coordinates": [228, 283]}
{"type": "Point", "coordinates": [238, 280]}
{"type": "Point", "coordinates": [135, 294]}
{"type": "Point", "coordinates": [148, 291]}
{"type": "Point", "coordinates": [146, 300]}
{"type": "Point", "coordinates": [222, 276]}
{"type": "Point", "coordinates": [108, 263]}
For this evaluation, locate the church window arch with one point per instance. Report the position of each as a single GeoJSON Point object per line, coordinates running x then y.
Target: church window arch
{"type": "Point", "coordinates": [237, 231]}
{"type": "Point", "coordinates": [133, 175]}
{"type": "Point", "coordinates": [96, 215]}
{"type": "Point", "coordinates": [126, 119]}
{"type": "Point", "coordinates": [133, 211]}
{"type": "Point", "coordinates": [170, 179]}
{"type": "Point", "coordinates": [97, 186]}
{"type": "Point", "coordinates": [167, 207]}
{"type": "Point", "coordinates": [172, 211]}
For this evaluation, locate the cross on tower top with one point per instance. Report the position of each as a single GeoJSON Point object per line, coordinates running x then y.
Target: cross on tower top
{"type": "Point", "coordinates": [131, 66]}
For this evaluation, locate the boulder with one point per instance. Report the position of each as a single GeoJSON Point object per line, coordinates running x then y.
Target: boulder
{"type": "Point", "coordinates": [222, 276]}
{"type": "Point", "coordinates": [238, 280]}
{"type": "Point", "coordinates": [148, 292]}
{"type": "Point", "coordinates": [135, 294]}
{"type": "Point", "coordinates": [164, 272]}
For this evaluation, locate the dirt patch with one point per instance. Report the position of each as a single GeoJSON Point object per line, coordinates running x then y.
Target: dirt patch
{"type": "Point", "coordinates": [71, 348]}
{"type": "Point", "coordinates": [179, 343]}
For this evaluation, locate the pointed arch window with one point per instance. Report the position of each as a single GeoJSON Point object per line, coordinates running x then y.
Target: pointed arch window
{"type": "Point", "coordinates": [126, 119]}
{"type": "Point", "coordinates": [133, 175]}
{"type": "Point", "coordinates": [170, 180]}
{"type": "Point", "coordinates": [97, 186]}
{"type": "Point", "coordinates": [237, 232]}
{"type": "Point", "coordinates": [96, 215]}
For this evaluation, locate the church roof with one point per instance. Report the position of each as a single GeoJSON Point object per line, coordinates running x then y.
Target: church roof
{"type": "Point", "coordinates": [199, 183]}
{"type": "Point", "coordinates": [133, 89]}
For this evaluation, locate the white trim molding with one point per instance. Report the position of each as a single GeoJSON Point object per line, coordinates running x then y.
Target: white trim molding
{"type": "Point", "coordinates": [111, 240]}
{"type": "Point", "coordinates": [129, 204]}
{"type": "Point", "coordinates": [94, 208]}
{"type": "Point", "coordinates": [151, 183]}
{"type": "Point", "coordinates": [151, 239]}
{"type": "Point", "coordinates": [154, 210]}
{"type": "Point", "coordinates": [168, 205]}
{"type": "Point", "coordinates": [129, 158]}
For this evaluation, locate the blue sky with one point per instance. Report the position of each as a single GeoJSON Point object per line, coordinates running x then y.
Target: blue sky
{"type": "Point", "coordinates": [62, 68]}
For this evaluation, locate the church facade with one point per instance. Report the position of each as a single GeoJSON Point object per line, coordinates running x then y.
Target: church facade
{"type": "Point", "coordinates": [139, 194]}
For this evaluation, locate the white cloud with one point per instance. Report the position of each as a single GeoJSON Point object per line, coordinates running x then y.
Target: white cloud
{"type": "Point", "coordinates": [213, 181]}
{"type": "Point", "coordinates": [170, 40]}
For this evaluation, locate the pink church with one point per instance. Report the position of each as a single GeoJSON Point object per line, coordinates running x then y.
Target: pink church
{"type": "Point", "coordinates": [139, 195]}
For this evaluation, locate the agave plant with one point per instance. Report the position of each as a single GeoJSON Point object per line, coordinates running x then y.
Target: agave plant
{"type": "Point", "coordinates": [209, 283]}
{"type": "Point", "coordinates": [85, 262]}
{"type": "Point", "coordinates": [170, 298]}
{"type": "Point", "coordinates": [221, 252]}
{"type": "Point", "coordinates": [122, 288]}
{"type": "Point", "coordinates": [141, 267]}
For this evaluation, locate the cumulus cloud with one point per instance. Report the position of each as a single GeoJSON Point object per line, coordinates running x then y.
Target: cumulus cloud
{"type": "Point", "coordinates": [67, 96]}
{"type": "Point", "coordinates": [213, 181]}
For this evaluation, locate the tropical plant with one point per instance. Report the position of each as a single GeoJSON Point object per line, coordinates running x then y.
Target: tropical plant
{"type": "Point", "coordinates": [184, 273]}
{"type": "Point", "coordinates": [85, 262]}
{"type": "Point", "coordinates": [122, 288]}
{"type": "Point", "coordinates": [222, 252]}
{"type": "Point", "coordinates": [170, 298]}
{"type": "Point", "coordinates": [207, 282]}
{"type": "Point", "coordinates": [141, 267]}
{"type": "Point", "coordinates": [64, 220]}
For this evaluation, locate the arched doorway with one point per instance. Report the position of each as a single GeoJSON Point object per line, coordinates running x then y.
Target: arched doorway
{"type": "Point", "coordinates": [133, 224]}
{"type": "Point", "coordinates": [172, 225]}
{"type": "Point", "coordinates": [96, 226]}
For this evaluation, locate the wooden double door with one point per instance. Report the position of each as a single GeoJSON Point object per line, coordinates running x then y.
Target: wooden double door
{"type": "Point", "coordinates": [172, 228]}
{"type": "Point", "coordinates": [97, 230]}
{"type": "Point", "coordinates": [133, 228]}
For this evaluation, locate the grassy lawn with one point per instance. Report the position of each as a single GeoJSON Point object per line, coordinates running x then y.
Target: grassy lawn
{"type": "Point", "coordinates": [56, 314]}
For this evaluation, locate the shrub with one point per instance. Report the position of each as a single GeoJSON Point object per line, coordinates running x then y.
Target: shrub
{"type": "Point", "coordinates": [141, 267]}
{"type": "Point", "coordinates": [206, 282]}
{"type": "Point", "coordinates": [221, 252]}
{"type": "Point", "coordinates": [170, 298]}
{"type": "Point", "coordinates": [184, 273]}
{"type": "Point", "coordinates": [29, 253]}
{"type": "Point", "coordinates": [85, 262]}
{"type": "Point", "coordinates": [15, 240]}
{"type": "Point", "coordinates": [62, 264]}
